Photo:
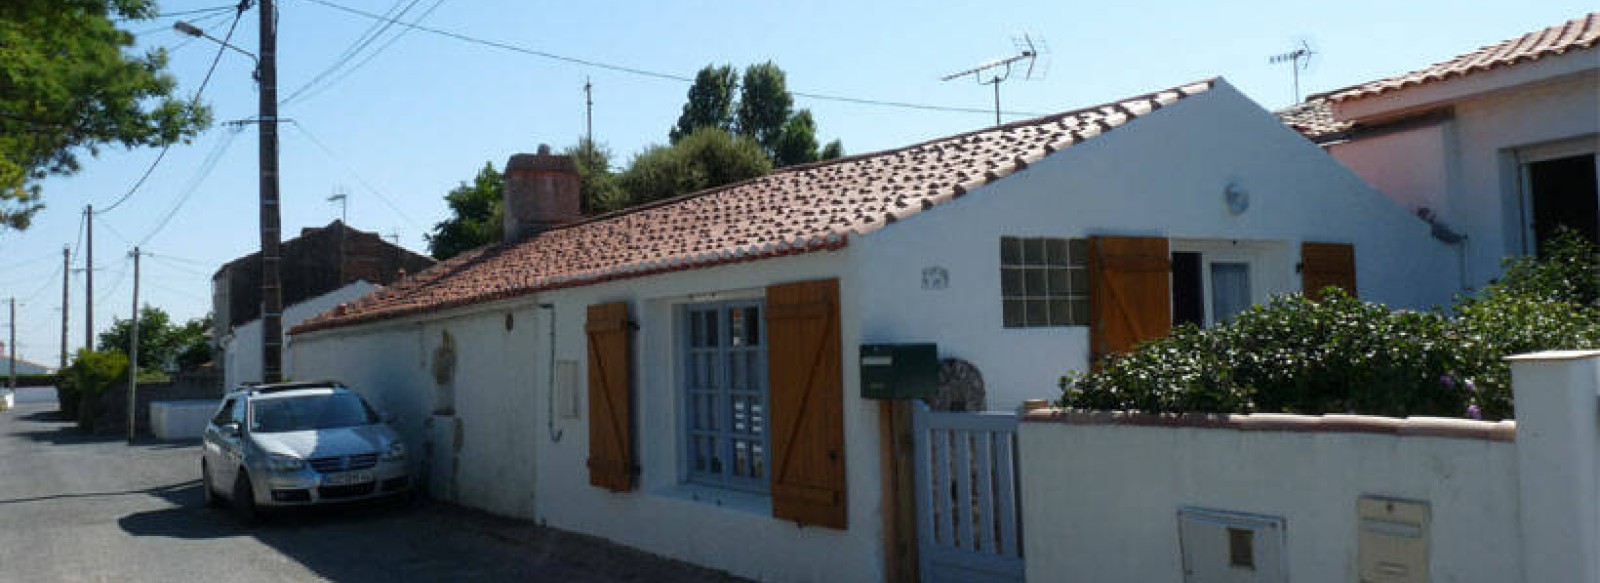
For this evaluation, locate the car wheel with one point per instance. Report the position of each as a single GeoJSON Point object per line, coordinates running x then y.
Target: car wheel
{"type": "Point", "coordinates": [244, 500]}
{"type": "Point", "coordinates": [210, 491]}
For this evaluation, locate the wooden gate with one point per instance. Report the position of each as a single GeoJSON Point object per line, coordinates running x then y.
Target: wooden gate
{"type": "Point", "coordinates": [968, 506]}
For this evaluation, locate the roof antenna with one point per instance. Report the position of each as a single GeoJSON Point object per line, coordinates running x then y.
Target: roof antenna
{"type": "Point", "coordinates": [341, 198]}
{"type": "Point", "coordinates": [1298, 59]}
{"type": "Point", "coordinates": [997, 71]}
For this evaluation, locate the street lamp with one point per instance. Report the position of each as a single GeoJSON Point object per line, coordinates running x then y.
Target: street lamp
{"type": "Point", "coordinates": [266, 75]}
{"type": "Point", "coordinates": [196, 32]}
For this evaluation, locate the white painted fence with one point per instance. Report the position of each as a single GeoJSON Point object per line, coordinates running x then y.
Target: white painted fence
{"type": "Point", "coordinates": [968, 522]}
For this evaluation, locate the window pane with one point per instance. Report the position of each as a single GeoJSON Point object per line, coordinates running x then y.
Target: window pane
{"type": "Point", "coordinates": [1011, 282]}
{"type": "Point", "coordinates": [1060, 312]}
{"type": "Point", "coordinates": [1080, 251]}
{"type": "Point", "coordinates": [1056, 251]}
{"type": "Point", "coordinates": [736, 373]}
{"type": "Point", "coordinates": [696, 337]}
{"type": "Point", "coordinates": [1034, 279]}
{"type": "Point", "coordinates": [702, 454]}
{"type": "Point", "coordinates": [1078, 284]}
{"type": "Point", "coordinates": [1010, 251]}
{"type": "Point", "coordinates": [758, 460]}
{"type": "Point", "coordinates": [735, 327]}
{"type": "Point", "coordinates": [752, 326]}
{"type": "Point", "coordinates": [711, 329]}
{"type": "Point", "coordinates": [753, 372]}
{"type": "Point", "coordinates": [1037, 313]}
{"type": "Point", "coordinates": [1013, 314]}
{"type": "Point", "coordinates": [1230, 290]}
{"type": "Point", "coordinates": [1033, 251]}
{"type": "Point", "coordinates": [1080, 311]}
{"type": "Point", "coordinates": [758, 420]}
{"type": "Point", "coordinates": [1057, 279]}
{"type": "Point", "coordinates": [741, 457]}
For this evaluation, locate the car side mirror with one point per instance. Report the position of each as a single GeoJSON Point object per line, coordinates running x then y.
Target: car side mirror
{"type": "Point", "coordinates": [230, 430]}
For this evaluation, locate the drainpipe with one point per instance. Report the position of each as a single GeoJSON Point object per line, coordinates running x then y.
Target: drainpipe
{"type": "Point", "coordinates": [550, 370]}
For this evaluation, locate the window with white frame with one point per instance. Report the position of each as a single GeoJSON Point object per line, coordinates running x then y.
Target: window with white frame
{"type": "Point", "coordinates": [1044, 281]}
{"type": "Point", "coordinates": [1212, 282]}
{"type": "Point", "coordinates": [724, 384]}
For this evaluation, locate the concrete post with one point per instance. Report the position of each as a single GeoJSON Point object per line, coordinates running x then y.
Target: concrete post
{"type": "Point", "coordinates": [1558, 458]}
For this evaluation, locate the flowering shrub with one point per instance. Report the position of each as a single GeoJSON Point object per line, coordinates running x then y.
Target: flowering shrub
{"type": "Point", "coordinates": [1342, 355]}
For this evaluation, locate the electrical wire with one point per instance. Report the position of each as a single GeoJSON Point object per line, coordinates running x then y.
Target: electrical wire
{"type": "Point", "coordinates": [48, 281]}
{"type": "Point", "coordinates": [197, 92]}
{"type": "Point", "coordinates": [376, 29]}
{"type": "Point", "coordinates": [375, 192]}
{"type": "Point", "coordinates": [182, 13]}
{"type": "Point", "coordinates": [206, 167]}
{"type": "Point", "coordinates": [371, 55]}
{"type": "Point", "coordinates": [659, 75]}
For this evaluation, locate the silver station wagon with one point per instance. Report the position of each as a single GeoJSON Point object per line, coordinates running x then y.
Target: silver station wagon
{"type": "Point", "coordinates": [299, 444]}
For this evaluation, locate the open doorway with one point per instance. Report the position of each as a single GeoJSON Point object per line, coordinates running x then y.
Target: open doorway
{"type": "Point", "coordinates": [1562, 192]}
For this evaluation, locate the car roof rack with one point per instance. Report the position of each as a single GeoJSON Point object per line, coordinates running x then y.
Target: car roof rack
{"type": "Point", "coordinates": [279, 387]}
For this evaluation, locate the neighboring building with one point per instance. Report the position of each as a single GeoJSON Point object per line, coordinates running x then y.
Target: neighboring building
{"type": "Point", "coordinates": [1498, 145]}
{"type": "Point", "coordinates": [24, 366]}
{"type": "Point", "coordinates": [241, 349]}
{"type": "Point", "coordinates": [318, 262]}
{"type": "Point", "coordinates": [683, 377]}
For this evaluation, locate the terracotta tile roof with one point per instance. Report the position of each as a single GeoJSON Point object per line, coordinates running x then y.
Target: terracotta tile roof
{"type": "Point", "coordinates": [795, 210]}
{"type": "Point", "coordinates": [1576, 34]}
{"type": "Point", "coordinates": [1314, 118]}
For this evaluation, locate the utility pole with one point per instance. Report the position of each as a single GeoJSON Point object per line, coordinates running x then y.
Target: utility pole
{"type": "Point", "coordinates": [66, 278]}
{"type": "Point", "coordinates": [133, 352]}
{"type": "Point", "coordinates": [11, 348]}
{"type": "Point", "coordinates": [88, 278]}
{"type": "Point", "coordinates": [271, 287]}
{"type": "Point", "coordinates": [588, 113]}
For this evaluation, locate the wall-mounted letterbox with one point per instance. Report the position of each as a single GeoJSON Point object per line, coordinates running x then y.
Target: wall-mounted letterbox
{"type": "Point", "coordinates": [899, 371]}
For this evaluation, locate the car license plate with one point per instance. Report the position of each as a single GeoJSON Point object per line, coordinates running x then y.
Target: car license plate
{"type": "Point", "coordinates": [347, 478]}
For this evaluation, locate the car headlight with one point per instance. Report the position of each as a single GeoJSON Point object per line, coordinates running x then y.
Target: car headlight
{"type": "Point", "coordinates": [396, 452]}
{"type": "Point", "coordinates": [284, 463]}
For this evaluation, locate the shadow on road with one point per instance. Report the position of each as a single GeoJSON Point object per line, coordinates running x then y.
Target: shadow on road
{"type": "Point", "coordinates": [158, 491]}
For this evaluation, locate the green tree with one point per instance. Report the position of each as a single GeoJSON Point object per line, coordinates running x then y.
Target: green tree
{"type": "Point", "coordinates": [710, 102]}
{"type": "Point", "coordinates": [706, 158]}
{"type": "Point", "coordinates": [797, 144]}
{"type": "Point", "coordinates": [67, 86]}
{"type": "Point", "coordinates": [597, 186]}
{"type": "Point", "coordinates": [475, 215]}
{"type": "Point", "coordinates": [834, 149]}
{"type": "Point", "coordinates": [161, 342]}
{"type": "Point", "coordinates": [765, 106]}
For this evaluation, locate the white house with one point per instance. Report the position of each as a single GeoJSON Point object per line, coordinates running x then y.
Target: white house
{"type": "Point", "coordinates": [22, 365]}
{"type": "Point", "coordinates": [1498, 146]}
{"type": "Point", "coordinates": [684, 377]}
{"type": "Point", "coordinates": [241, 348]}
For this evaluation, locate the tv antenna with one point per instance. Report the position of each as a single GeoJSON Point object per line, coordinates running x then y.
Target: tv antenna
{"type": "Point", "coordinates": [341, 198]}
{"type": "Point", "coordinates": [1298, 59]}
{"type": "Point", "coordinates": [999, 70]}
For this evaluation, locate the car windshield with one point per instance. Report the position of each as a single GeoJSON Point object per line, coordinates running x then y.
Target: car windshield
{"type": "Point", "coordinates": [327, 411]}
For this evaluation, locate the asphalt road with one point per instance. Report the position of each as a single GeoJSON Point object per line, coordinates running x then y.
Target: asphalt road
{"type": "Point", "coordinates": [82, 508]}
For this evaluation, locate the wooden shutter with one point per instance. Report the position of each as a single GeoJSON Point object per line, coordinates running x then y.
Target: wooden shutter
{"type": "Point", "coordinates": [611, 464]}
{"type": "Point", "coordinates": [1325, 264]}
{"type": "Point", "coordinates": [1130, 293]}
{"type": "Point", "coordinates": [805, 380]}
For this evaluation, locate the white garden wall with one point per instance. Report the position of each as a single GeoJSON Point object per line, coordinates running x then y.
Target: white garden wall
{"type": "Point", "coordinates": [1160, 175]}
{"type": "Point", "coordinates": [1509, 502]}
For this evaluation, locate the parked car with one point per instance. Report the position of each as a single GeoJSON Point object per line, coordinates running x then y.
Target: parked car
{"type": "Point", "coordinates": [299, 444]}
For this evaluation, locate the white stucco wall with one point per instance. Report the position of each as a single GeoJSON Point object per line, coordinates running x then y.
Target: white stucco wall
{"type": "Point", "coordinates": [1101, 501]}
{"type": "Point", "coordinates": [501, 405]}
{"type": "Point", "coordinates": [1466, 168]}
{"type": "Point", "coordinates": [1160, 175]}
{"type": "Point", "coordinates": [241, 351]}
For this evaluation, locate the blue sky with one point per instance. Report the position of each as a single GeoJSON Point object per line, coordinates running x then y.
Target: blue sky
{"type": "Point", "coordinates": [422, 112]}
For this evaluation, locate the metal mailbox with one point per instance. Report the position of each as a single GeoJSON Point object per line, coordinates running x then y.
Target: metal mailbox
{"type": "Point", "coordinates": [899, 371]}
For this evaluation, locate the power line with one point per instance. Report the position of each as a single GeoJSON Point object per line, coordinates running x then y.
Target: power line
{"type": "Point", "coordinates": [378, 27]}
{"type": "Point", "coordinates": [206, 166]}
{"type": "Point", "coordinates": [184, 13]}
{"type": "Point", "coordinates": [656, 74]}
{"type": "Point", "coordinates": [371, 55]}
{"type": "Point", "coordinates": [325, 149]}
{"type": "Point", "coordinates": [197, 92]}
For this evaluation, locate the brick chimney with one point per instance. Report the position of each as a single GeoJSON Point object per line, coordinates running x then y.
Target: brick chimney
{"type": "Point", "coordinates": [541, 192]}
